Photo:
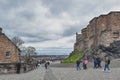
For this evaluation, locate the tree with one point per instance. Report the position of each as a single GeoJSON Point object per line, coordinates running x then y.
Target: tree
{"type": "Point", "coordinates": [17, 41]}
{"type": "Point", "coordinates": [27, 53]}
{"type": "Point", "coordinates": [31, 50]}
{"type": "Point", "coordinates": [23, 51]}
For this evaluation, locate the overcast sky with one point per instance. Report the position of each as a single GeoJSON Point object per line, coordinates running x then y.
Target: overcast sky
{"type": "Point", "coordinates": [50, 25]}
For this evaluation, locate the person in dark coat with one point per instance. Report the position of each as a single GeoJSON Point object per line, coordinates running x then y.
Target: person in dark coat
{"type": "Point", "coordinates": [78, 65]}
{"type": "Point", "coordinates": [98, 62]}
{"type": "Point", "coordinates": [95, 61]}
{"type": "Point", "coordinates": [18, 67]}
{"type": "Point", "coordinates": [107, 63]}
{"type": "Point", "coordinates": [46, 65]}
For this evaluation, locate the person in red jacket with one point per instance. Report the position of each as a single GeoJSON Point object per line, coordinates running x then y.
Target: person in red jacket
{"type": "Point", "coordinates": [85, 62]}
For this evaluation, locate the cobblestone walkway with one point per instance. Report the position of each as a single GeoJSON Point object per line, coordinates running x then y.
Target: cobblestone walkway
{"type": "Point", "coordinates": [55, 73]}
{"type": "Point", "coordinates": [37, 74]}
{"type": "Point", "coordinates": [49, 75]}
{"type": "Point", "coordinates": [90, 74]}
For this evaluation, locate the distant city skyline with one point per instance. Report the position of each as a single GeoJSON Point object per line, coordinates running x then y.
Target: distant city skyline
{"type": "Point", "coordinates": [50, 24]}
{"type": "Point", "coordinates": [52, 51]}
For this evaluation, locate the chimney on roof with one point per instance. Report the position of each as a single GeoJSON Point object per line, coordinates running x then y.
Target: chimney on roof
{"type": "Point", "coordinates": [0, 30]}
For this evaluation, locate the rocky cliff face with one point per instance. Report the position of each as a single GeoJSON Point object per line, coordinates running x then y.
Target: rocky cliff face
{"type": "Point", "coordinates": [103, 30]}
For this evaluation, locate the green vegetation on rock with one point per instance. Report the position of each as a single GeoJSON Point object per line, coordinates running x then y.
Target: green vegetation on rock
{"type": "Point", "coordinates": [76, 55]}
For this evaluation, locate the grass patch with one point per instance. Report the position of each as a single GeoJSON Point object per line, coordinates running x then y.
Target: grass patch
{"type": "Point", "coordinates": [74, 57]}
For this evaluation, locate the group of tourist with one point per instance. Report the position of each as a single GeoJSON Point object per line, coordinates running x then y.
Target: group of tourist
{"type": "Point", "coordinates": [97, 63]}
{"type": "Point", "coordinates": [84, 61]}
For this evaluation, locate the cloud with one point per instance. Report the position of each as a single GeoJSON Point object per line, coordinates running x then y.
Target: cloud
{"type": "Point", "coordinates": [50, 23]}
{"type": "Point", "coordinates": [60, 43]}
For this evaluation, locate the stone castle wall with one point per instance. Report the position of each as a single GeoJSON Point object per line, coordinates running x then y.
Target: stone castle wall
{"type": "Point", "coordinates": [102, 30]}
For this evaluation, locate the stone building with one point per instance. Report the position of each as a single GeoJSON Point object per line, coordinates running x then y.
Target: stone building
{"type": "Point", "coordinates": [9, 52]}
{"type": "Point", "coordinates": [102, 30]}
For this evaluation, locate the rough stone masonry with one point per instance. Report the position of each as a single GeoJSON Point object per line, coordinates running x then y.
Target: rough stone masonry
{"type": "Point", "coordinates": [101, 31]}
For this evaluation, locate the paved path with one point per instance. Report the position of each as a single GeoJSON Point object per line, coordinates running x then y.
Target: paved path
{"type": "Point", "coordinates": [65, 73]}
{"type": "Point", "coordinates": [49, 75]}
{"type": "Point", "coordinates": [37, 74]}
{"type": "Point", "coordinates": [90, 74]}
{"type": "Point", "coordinates": [70, 73]}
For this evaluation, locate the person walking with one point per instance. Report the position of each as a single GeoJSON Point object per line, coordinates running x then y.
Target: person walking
{"type": "Point", "coordinates": [95, 61]}
{"type": "Point", "coordinates": [107, 63]}
{"type": "Point", "coordinates": [18, 67]}
{"type": "Point", "coordinates": [85, 62]}
{"type": "Point", "coordinates": [78, 65]}
{"type": "Point", "coordinates": [99, 62]}
{"type": "Point", "coordinates": [46, 65]}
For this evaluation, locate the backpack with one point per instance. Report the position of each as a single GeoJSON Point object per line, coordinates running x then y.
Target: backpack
{"type": "Point", "coordinates": [108, 61]}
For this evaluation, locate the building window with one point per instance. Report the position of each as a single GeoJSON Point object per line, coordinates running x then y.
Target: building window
{"type": "Point", "coordinates": [7, 54]}
{"type": "Point", "coordinates": [115, 34]}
